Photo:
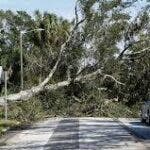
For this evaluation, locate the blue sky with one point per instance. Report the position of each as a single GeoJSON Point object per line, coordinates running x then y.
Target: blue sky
{"type": "Point", "coordinates": [63, 8]}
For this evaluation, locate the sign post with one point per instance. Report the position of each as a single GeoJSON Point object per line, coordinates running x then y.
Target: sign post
{"type": "Point", "coordinates": [1, 74]}
{"type": "Point", "coordinates": [6, 107]}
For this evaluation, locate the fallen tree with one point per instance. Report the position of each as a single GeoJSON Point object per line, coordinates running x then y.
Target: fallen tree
{"type": "Point", "coordinates": [27, 94]}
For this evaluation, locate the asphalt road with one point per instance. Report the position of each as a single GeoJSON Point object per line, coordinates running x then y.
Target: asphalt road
{"type": "Point", "coordinates": [139, 130]}
{"type": "Point", "coordinates": [81, 134]}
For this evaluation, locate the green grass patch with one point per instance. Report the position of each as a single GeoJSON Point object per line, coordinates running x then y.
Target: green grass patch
{"type": "Point", "coordinates": [5, 125]}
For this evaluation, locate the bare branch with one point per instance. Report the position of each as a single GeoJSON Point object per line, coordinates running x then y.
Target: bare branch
{"type": "Point", "coordinates": [109, 76]}
{"type": "Point", "coordinates": [129, 46]}
{"type": "Point", "coordinates": [76, 99]}
{"type": "Point", "coordinates": [124, 50]}
{"type": "Point", "coordinates": [68, 73]}
{"type": "Point", "coordinates": [76, 14]}
{"type": "Point", "coordinates": [139, 52]}
{"type": "Point", "coordinates": [88, 76]}
{"type": "Point", "coordinates": [58, 85]}
{"type": "Point", "coordinates": [25, 95]}
{"type": "Point", "coordinates": [92, 75]}
{"type": "Point", "coordinates": [82, 78]}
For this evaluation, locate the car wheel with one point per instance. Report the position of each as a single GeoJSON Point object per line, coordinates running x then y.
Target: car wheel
{"type": "Point", "coordinates": [148, 120]}
{"type": "Point", "coordinates": [143, 120]}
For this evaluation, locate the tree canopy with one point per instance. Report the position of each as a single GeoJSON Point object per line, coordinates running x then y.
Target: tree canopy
{"type": "Point", "coordinates": [105, 49]}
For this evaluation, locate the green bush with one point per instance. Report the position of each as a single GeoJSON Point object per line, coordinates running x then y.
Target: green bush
{"type": "Point", "coordinates": [27, 111]}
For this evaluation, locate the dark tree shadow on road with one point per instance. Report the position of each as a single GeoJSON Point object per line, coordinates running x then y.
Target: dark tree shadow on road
{"type": "Point", "coordinates": [66, 136]}
{"type": "Point", "coordinates": [141, 130]}
{"type": "Point", "coordinates": [89, 134]}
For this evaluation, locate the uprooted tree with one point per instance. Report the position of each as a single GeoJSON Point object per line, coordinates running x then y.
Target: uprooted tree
{"type": "Point", "coordinates": [105, 43]}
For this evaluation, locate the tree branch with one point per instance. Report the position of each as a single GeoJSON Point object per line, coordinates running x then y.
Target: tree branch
{"type": "Point", "coordinates": [25, 95]}
{"type": "Point", "coordinates": [82, 78]}
{"type": "Point", "coordinates": [109, 76]}
{"type": "Point", "coordinates": [127, 47]}
{"type": "Point", "coordinates": [139, 52]}
{"type": "Point", "coordinates": [76, 14]}
{"type": "Point", "coordinates": [88, 76]}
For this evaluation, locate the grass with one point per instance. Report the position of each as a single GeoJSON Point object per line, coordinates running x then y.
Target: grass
{"type": "Point", "coordinates": [6, 125]}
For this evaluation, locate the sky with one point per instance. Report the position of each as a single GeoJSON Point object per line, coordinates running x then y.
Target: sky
{"type": "Point", "coordinates": [64, 8]}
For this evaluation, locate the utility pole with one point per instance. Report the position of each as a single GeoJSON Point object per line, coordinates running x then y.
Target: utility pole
{"type": "Point", "coordinates": [6, 107]}
{"type": "Point", "coordinates": [21, 61]}
{"type": "Point", "coordinates": [21, 54]}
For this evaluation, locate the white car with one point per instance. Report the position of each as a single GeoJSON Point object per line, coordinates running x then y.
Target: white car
{"type": "Point", "coordinates": [145, 112]}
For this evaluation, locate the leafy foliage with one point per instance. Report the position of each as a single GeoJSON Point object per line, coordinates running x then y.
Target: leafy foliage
{"type": "Point", "coordinates": [109, 39]}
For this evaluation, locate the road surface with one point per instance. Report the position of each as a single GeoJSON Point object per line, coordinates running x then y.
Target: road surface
{"type": "Point", "coordinates": [81, 134]}
{"type": "Point", "coordinates": [138, 129]}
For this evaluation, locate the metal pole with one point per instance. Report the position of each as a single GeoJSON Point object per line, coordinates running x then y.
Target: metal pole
{"type": "Point", "coordinates": [6, 108]}
{"type": "Point", "coordinates": [21, 55]}
{"type": "Point", "coordinates": [21, 62]}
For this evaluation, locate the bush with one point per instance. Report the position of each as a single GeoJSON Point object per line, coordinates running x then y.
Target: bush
{"type": "Point", "coordinates": [26, 112]}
